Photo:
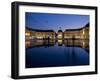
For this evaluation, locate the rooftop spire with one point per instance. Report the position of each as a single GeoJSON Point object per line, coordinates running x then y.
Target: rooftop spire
{"type": "Point", "coordinates": [59, 28]}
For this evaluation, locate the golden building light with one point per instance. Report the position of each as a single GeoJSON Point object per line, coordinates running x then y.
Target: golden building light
{"type": "Point", "coordinates": [27, 34]}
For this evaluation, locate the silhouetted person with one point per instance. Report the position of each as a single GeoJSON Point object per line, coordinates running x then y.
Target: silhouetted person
{"type": "Point", "coordinates": [48, 38]}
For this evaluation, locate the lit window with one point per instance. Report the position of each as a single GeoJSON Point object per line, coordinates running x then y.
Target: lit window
{"type": "Point", "coordinates": [83, 32]}
{"type": "Point", "coordinates": [27, 34]}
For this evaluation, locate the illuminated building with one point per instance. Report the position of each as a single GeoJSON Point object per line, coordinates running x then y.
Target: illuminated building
{"type": "Point", "coordinates": [81, 33]}
{"type": "Point", "coordinates": [60, 35]}
{"type": "Point", "coordinates": [39, 34]}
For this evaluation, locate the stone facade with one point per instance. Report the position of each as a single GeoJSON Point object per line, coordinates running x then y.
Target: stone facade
{"type": "Point", "coordinates": [39, 34]}
{"type": "Point", "coordinates": [81, 33]}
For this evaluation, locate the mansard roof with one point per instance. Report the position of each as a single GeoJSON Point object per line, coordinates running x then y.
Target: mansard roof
{"type": "Point", "coordinates": [87, 25]}
{"type": "Point", "coordinates": [39, 30]}
{"type": "Point", "coordinates": [59, 30]}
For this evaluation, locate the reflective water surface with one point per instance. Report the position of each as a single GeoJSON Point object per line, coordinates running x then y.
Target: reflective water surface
{"type": "Point", "coordinates": [52, 53]}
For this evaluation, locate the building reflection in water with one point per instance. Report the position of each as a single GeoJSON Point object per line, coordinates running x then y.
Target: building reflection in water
{"type": "Point", "coordinates": [39, 43]}
{"type": "Point", "coordinates": [51, 53]}
{"type": "Point", "coordinates": [67, 43]}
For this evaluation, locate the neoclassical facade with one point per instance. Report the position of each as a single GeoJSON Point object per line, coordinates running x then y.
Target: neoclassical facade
{"type": "Point", "coordinates": [81, 33]}
{"type": "Point", "coordinates": [39, 34]}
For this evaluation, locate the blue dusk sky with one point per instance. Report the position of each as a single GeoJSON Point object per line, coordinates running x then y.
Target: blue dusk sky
{"type": "Point", "coordinates": [45, 21]}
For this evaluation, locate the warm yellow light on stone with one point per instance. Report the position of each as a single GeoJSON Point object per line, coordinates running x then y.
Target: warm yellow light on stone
{"type": "Point", "coordinates": [27, 34]}
{"type": "Point", "coordinates": [83, 32]}
{"type": "Point", "coordinates": [83, 45]}
{"type": "Point", "coordinates": [60, 41]}
{"type": "Point", "coordinates": [60, 35]}
{"type": "Point", "coordinates": [39, 37]}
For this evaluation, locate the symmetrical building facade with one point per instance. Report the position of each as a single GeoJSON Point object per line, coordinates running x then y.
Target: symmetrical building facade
{"type": "Point", "coordinates": [81, 33]}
